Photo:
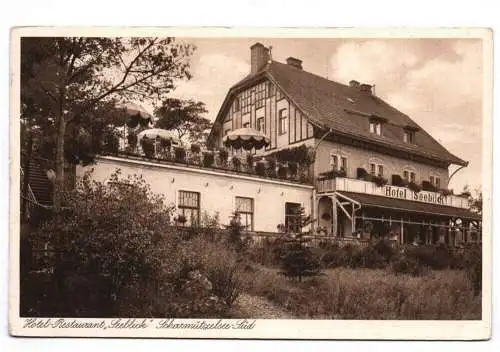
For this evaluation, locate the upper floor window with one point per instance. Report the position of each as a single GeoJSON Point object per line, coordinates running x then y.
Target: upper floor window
{"type": "Point", "coordinates": [376, 169]}
{"type": "Point", "coordinates": [283, 121]}
{"type": "Point", "coordinates": [409, 176]}
{"type": "Point", "coordinates": [376, 127]}
{"type": "Point", "coordinates": [343, 163]}
{"type": "Point", "coordinates": [435, 180]}
{"type": "Point", "coordinates": [260, 124]}
{"type": "Point", "coordinates": [409, 137]}
{"type": "Point", "coordinates": [338, 162]}
{"type": "Point", "coordinates": [237, 104]}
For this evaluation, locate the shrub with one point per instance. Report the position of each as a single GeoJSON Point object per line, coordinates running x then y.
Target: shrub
{"type": "Point", "coordinates": [208, 159]}
{"type": "Point", "coordinates": [180, 154]}
{"type": "Point", "coordinates": [293, 168]}
{"type": "Point", "coordinates": [148, 146]}
{"type": "Point", "coordinates": [271, 167]}
{"type": "Point", "coordinates": [260, 168]}
{"type": "Point", "coordinates": [408, 265]}
{"type": "Point", "coordinates": [446, 192]}
{"type": "Point", "coordinates": [474, 270]}
{"type": "Point", "coordinates": [297, 260]}
{"type": "Point", "coordinates": [111, 143]}
{"type": "Point", "coordinates": [435, 257]}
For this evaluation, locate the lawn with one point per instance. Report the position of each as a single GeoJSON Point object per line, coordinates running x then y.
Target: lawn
{"type": "Point", "coordinates": [343, 293]}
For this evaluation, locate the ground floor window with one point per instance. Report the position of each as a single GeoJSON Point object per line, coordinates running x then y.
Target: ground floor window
{"type": "Point", "coordinates": [189, 207]}
{"type": "Point", "coordinates": [292, 217]}
{"type": "Point", "coordinates": [244, 207]}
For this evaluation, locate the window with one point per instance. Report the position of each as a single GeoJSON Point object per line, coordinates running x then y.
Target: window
{"type": "Point", "coordinates": [380, 170]}
{"type": "Point", "coordinates": [244, 208]}
{"type": "Point", "coordinates": [283, 118]}
{"type": "Point", "coordinates": [334, 161]}
{"type": "Point", "coordinates": [260, 124]}
{"type": "Point", "coordinates": [237, 104]}
{"type": "Point", "coordinates": [431, 179]}
{"type": "Point", "coordinates": [409, 176]}
{"type": "Point", "coordinates": [412, 176]}
{"type": "Point", "coordinates": [376, 127]}
{"type": "Point", "coordinates": [189, 207]}
{"type": "Point", "coordinates": [438, 182]}
{"type": "Point", "coordinates": [292, 217]}
{"type": "Point", "coordinates": [372, 168]}
{"type": "Point", "coordinates": [409, 137]}
{"type": "Point", "coordinates": [406, 175]}
{"type": "Point", "coordinates": [343, 163]}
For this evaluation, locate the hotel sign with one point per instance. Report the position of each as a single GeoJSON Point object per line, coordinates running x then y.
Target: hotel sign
{"type": "Point", "coordinates": [407, 194]}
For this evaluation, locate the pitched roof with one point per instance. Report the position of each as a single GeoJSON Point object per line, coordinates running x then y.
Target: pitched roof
{"type": "Point", "coordinates": [346, 110]}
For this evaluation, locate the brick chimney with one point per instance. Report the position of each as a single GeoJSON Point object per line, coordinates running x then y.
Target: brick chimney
{"type": "Point", "coordinates": [259, 56]}
{"type": "Point", "coordinates": [292, 61]}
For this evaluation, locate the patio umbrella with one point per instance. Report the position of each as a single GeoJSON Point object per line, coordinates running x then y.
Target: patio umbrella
{"type": "Point", "coordinates": [158, 133]}
{"type": "Point", "coordinates": [136, 114]}
{"type": "Point", "coordinates": [246, 138]}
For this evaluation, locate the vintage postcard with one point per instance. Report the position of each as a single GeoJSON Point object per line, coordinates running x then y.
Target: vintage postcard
{"type": "Point", "coordinates": [251, 183]}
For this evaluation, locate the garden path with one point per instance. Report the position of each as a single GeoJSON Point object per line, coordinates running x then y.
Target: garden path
{"type": "Point", "coordinates": [255, 307]}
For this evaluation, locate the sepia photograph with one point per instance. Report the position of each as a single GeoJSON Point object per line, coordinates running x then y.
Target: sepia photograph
{"type": "Point", "coordinates": [220, 180]}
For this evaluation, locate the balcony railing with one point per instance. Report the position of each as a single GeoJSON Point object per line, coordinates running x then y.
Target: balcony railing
{"type": "Point", "coordinates": [390, 191]}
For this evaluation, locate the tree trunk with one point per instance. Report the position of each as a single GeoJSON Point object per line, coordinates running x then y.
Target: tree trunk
{"type": "Point", "coordinates": [59, 164]}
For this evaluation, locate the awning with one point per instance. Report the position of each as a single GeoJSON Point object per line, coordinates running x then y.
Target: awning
{"type": "Point", "coordinates": [402, 205]}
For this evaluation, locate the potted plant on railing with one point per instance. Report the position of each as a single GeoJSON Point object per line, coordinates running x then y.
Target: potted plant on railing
{"type": "Point", "coordinates": [283, 171]}
{"type": "Point", "coordinates": [180, 154]}
{"type": "Point", "coordinates": [427, 186]}
{"type": "Point", "coordinates": [223, 155]}
{"type": "Point", "coordinates": [397, 180]}
{"type": "Point", "coordinates": [446, 192]}
{"type": "Point", "coordinates": [380, 181]}
{"type": "Point", "coordinates": [332, 174]}
{"type": "Point", "coordinates": [362, 174]}
{"type": "Point", "coordinates": [148, 147]}
{"type": "Point", "coordinates": [132, 142]}
{"type": "Point", "coordinates": [412, 186]}
{"type": "Point", "coordinates": [249, 162]}
{"type": "Point", "coordinates": [208, 159]}
{"type": "Point", "coordinates": [260, 168]}
{"type": "Point", "coordinates": [271, 168]}
{"type": "Point", "coordinates": [236, 163]}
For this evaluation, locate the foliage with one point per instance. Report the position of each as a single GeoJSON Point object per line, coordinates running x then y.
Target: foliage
{"type": "Point", "coordinates": [446, 192]}
{"type": "Point", "coordinates": [412, 186]}
{"type": "Point", "coordinates": [185, 117]}
{"type": "Point", "coordinates": [408, 265]}
{"type": "Point", "coordinates": [301, 155]}
{"type": "Point", "coordinates": [282, 171]}
{"type": "Point", "coordinates": [148, 146]}
{"type": "Point", "coordinates": [379, 181]}
{"type": "Point", "coordinates": [293, 168]}
{"type": "Point", "coordinates": [271, 167]}
{"type": "Point", "coordinates": [208, 159]}
{"type": "Point", "coordinates": [111, 143]}
{"type": "Point", "coordinates": [250, 160]}
{"type": "Point", "coordinates": [361, 173]}
{"type": "Point", "coordinates": [474, 268]}
{"type": "Point", "coordinates": [180, 154]}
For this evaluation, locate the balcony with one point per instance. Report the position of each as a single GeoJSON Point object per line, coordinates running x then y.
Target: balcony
{"type": "Point", "coordinates": [390, 191]}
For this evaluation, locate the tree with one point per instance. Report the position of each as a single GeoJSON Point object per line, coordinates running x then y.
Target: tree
{"type": "Point", "coordinates": [184, 116]}
{"type": "Point", "coordinates": [68, 82]}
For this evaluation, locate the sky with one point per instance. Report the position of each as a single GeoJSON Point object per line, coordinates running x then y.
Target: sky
{"type": "Point", "coordinates": [437, 82]}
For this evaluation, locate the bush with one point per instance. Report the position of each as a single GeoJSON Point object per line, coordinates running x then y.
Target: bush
{"type": "Point", "coordinates": [180, 154]}
{"type": "Point", "coordinates": [132, 141]}
{"type": "Point", "coordinates": [195, 148]}
{"type": "Point", "coordinates": [408, 265]}
{"type": "Point", "coordinates": [208, 159]}
{"type": "Point", "coordinates": [298, 261]}
{"type": "Point", "coordinates": [282, 171]}
{"type": "Point", "coordinates": [436, 257]}
{"type": "Point", "coordinates": [294, 168]}
{"type": "Point", "coordinates": [121, 258]}
{"type": "Point", "coordinates": [474, 267]}
{"type": "Point", "coordinates": [111, 143]}
{"type": "Point", "coordinates": [271, 167]}
{"type": "Point", "coordinates": [250, 160]}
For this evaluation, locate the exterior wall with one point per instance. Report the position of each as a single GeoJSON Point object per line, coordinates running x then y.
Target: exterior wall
{"type": "Point", "coordinates": [217, 190]}
{"type": "Point", "coordinates": [267, 104]}
{"type": "Point", "coordinates": [361, 158]}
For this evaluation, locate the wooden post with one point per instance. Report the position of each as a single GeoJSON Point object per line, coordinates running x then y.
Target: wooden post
{"type": "Point", "coordinates": [401, 234]}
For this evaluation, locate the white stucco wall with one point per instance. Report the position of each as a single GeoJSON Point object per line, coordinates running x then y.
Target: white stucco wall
{"type": "Point", "coordinates": [217, 190]}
